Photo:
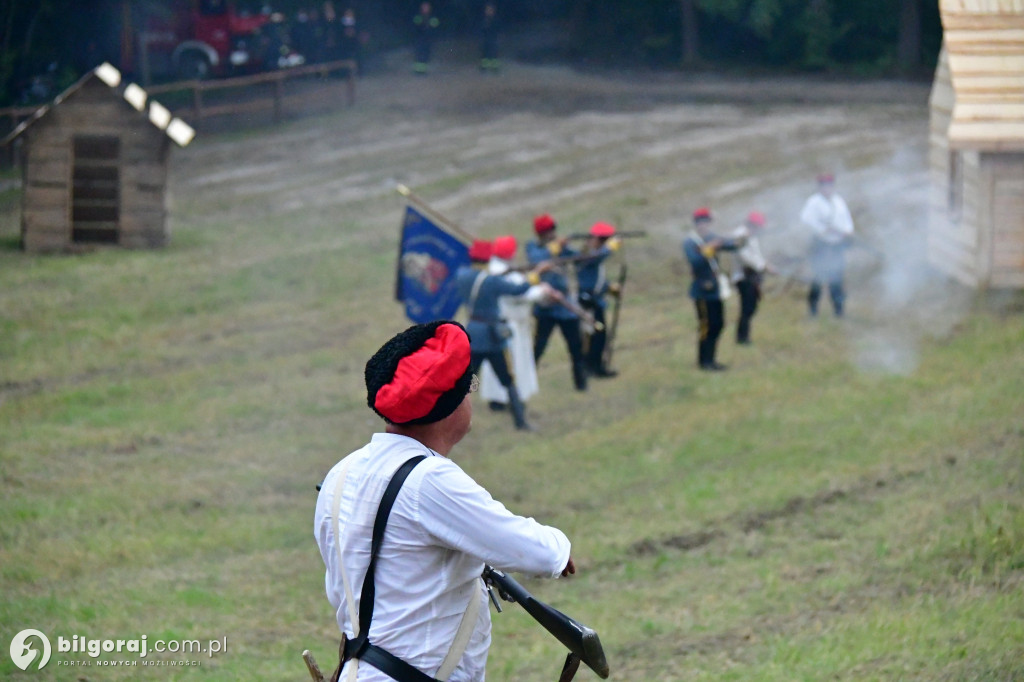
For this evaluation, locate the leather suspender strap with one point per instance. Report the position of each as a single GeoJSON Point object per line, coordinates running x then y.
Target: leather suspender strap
{"type": "Point", "coordinates": [360, 646]}
{"type": "Point", "coordinates": [366, 597]}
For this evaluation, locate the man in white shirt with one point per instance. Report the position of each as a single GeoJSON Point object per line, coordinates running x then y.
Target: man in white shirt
{"type": "Point", "coordinates": [828, 217]}
{"type": "Point", "coordinates": [749, 269]}
{"type": "Point", "coordinates": [429, 605]}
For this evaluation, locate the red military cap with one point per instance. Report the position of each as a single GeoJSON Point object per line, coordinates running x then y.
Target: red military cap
{"type": "Point", "coordinates": [756, 218]}
{"type": "Point", "coordinates": [826, 179]}
{"type": "Point", "coordinates": [702, 213]}
{"type": "Point", "coordinates": [505, 247]}
{"type": "Point", "coordinates": [416, 377]}
{"type": "Point", "coordinates": [480, 251]}
{"type": "Point", "coordinates": [543, 223]}
{"type": "Point", "coordinates": [602, 230]}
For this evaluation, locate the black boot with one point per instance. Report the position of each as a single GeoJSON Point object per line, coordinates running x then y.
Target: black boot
{"type": "Point", "coordinates": [518, 410]}
{"type": "Point", "coordinates": [579, 376]}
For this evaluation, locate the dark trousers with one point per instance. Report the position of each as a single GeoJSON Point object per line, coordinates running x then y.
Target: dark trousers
{"type": "Point", "coordinates": [835, 292]}
{"type": "Point", "coordinates": [498, 363]}
{"type": "Point", "coordinates": [750, 295]}
{"type": "Point", "coordinates": [571, 332]}
{"type": "Point", "coordinates": [500, 366]}
{"type": "Point", "coordinates": [422, 51]}
{"type": "Point", "coordinates": [710, 322]}
{"type": "Point", "coordinates": [828, 265]}
{"type": "Point", "coordinates": [596, 341]}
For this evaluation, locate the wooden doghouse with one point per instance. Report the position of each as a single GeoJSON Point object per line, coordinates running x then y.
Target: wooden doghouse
{"type": "Point", "coordinates": [976, 159]}
{"type": "Point", "coordinates": [94, 166]}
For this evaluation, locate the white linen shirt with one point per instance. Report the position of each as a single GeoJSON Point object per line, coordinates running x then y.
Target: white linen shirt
{"type": "Point", "coordinates": [828, 217]}
{"type": "Point", "coordinates": [442, 529]}
{"type": "Point", "coordinates": [747, 256]}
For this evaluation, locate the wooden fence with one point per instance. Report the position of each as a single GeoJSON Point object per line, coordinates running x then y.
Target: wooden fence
{"type": "Point", "coordinates": [201, 109]}
{"type": "Point", "coordinates": [202, 90]}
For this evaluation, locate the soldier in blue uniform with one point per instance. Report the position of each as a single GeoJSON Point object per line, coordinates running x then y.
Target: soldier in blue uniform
{"type": "Point", "coordinates": [709, 286]}
{"type": "Point", "coordinates": [546, 247]}
{"type": "Point", "coordinates": [488, 332]}
{"type": "Point", "coordinates": [593, 286]}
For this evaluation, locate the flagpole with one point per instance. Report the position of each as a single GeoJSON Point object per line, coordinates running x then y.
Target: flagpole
{"type": "Point", "coordinates": [412, 197]}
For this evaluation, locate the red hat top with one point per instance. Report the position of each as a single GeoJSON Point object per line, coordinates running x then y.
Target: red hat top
{"type": "Point", "coordinates": [424, 375]}
{"type": "Point", "coordinates": [543, 223]}
{"type": "Point", "coordinates": [702, 213]}
{"type": "Point", "coordinates": [480, 251]}
{"type": "Point", "coordinates": [505, 247]}
{"type": "Point", "coordinates": [826, 179]}
{"type": "Point", "coordinates": [602, 230]}
{"type": "Point", "coordinates": [756, 218]}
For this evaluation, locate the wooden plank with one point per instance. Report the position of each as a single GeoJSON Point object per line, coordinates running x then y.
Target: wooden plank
{"type": "Point", "coordinates": [990, 136]}
{"type": "Point", "coordinates": [45, 219]}
{"type": "Point", "coordinates": [142, 222]}
{"type": "Point", "coordinates": [144, 175]}
{"type": "Point", "coordinates": [986, 44]}
{"type": "Point", "coordinates": [104, 116]}
{"type": "Point", "coordinates": [136, 202]}
{"type": "Point", "coordinates": [1001, 34]}
{"type": "Point", "coordinates": [47, 172]}
{"type": "Point", "coordinates": [147, 240]}
{"type": "Point", "coordinates": [1009, 112]}
{"type": "Point", "coordinates": [43, 151]}
{"type": "Point", "coordinates": [38, 197]}
{"type": "Point", "coordinates": [1008, 64]}
{"type": "Point", "coordinates": [982, 5]}
{"type": "Point", "coordinates": [1008, 216]}
{"type": "Point", "coordinates": [1000, 85]}
{"type": "Point", "coordinates": [146, 149]}
{"type": "Point", "coordinates": [46, 243]}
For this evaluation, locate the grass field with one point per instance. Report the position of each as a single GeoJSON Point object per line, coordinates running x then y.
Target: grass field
{"type": "Point", "coordinates": [844, 504]}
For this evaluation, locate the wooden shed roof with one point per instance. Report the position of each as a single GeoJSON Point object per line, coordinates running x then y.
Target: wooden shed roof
{"type": "Point", "coordinates": [984, 41]}
{"type": "Point", "coordinates": [179, 131]}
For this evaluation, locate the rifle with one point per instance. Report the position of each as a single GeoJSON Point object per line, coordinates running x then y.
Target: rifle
{"type": "Point", "coordinates": [582, 642]}
{"type": "Point", "coordinates": [609, 344]}
{"type": "Point", "coordinates": [586, 319]}
{"type": "Point", "coordinates": [625, 234]}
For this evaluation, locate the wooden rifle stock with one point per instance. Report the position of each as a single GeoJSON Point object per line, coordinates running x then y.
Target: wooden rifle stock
{"type": "Point", "coordinates": [580, 640]}
{"type": "Point", "coordinates": [625, 234]}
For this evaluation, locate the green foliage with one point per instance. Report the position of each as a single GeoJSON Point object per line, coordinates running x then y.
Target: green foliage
{"type": "Point", "coordinates": [993, 545]}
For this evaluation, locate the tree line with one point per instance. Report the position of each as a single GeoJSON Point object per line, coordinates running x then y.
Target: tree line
{"type": "Point", "coordinates": [46, 44]}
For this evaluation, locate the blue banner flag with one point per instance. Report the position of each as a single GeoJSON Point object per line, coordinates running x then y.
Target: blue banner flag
{"type": "Point", "coordinates": [428, 259]}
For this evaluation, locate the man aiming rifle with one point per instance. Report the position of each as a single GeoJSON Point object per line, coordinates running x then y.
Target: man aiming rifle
{"type": "Point", "coordinates": [593, 287]}
{"type": "Point", "coordinates": [407, 527]}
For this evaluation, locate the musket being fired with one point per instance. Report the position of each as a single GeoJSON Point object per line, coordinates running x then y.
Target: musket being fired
{"type": "Point", "coordinates": [624, 234]}
{"type": "Point", "coordinates": [582, 642]}
{"type": "Point", "coordinates": [586, 318]}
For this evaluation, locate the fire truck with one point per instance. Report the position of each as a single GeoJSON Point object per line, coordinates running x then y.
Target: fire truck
{"type": "Point", "coordinates": [196, 39]}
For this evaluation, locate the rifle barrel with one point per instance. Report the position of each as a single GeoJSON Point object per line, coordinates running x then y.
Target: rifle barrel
{"type": "Point", "coordinates": [625, 234]}
{"type": "Point", "coordinates": [576, 637]}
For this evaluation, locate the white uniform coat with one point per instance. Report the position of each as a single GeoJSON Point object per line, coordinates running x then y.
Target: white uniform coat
{"type": "Point", "coordinates": [828, 217]}
{"type": "Point", "coordinates": [518, 312]}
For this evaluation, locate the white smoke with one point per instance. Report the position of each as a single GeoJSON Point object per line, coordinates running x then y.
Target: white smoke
{"type": "Point", "coordinates": [895, 297]}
